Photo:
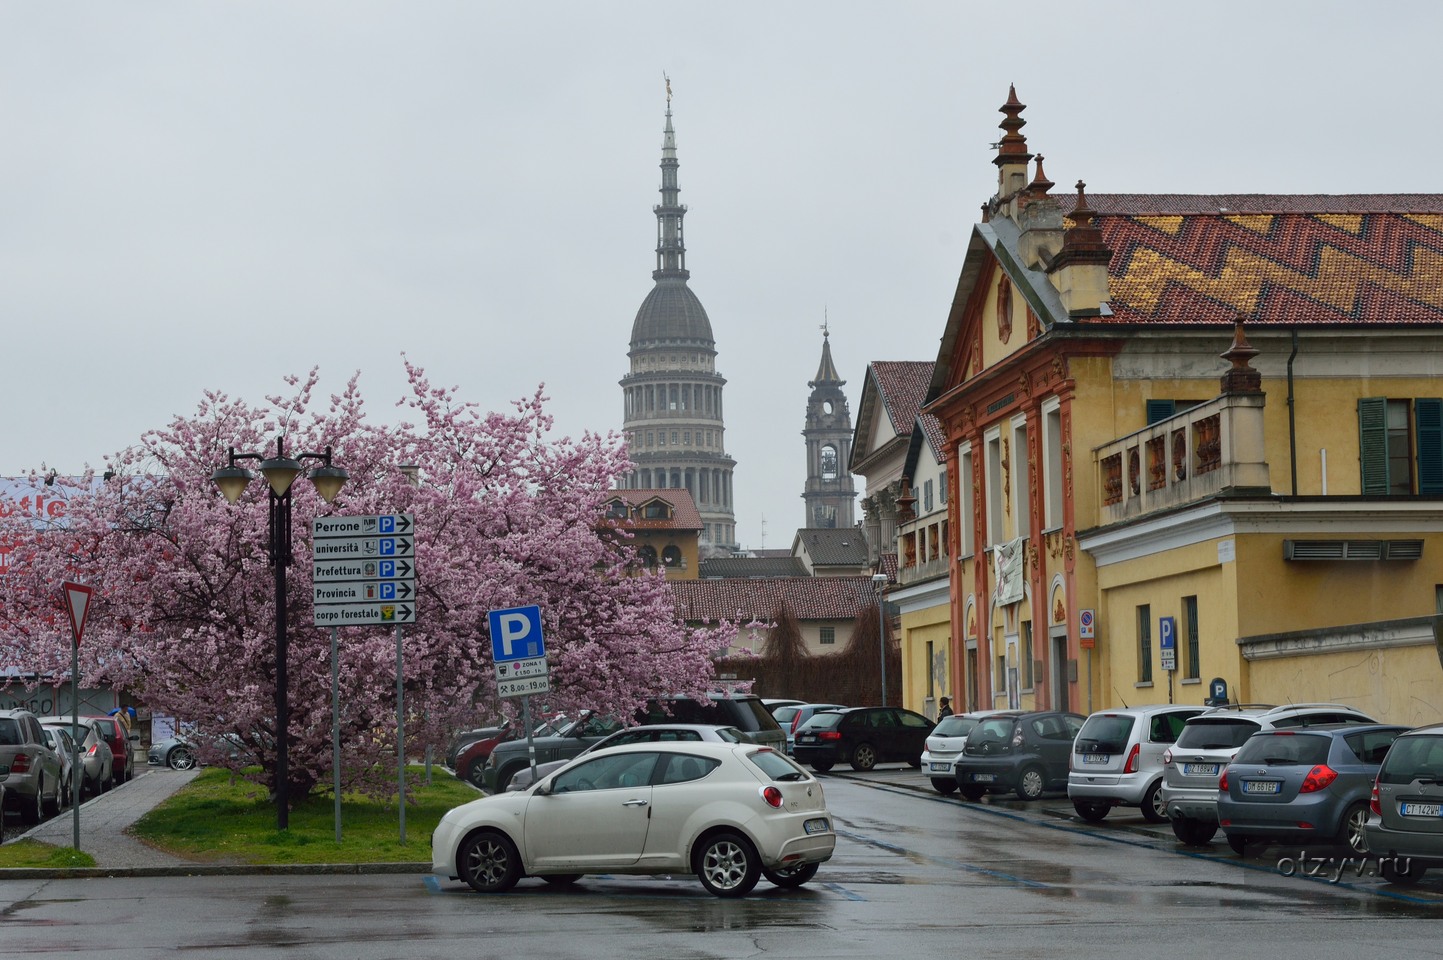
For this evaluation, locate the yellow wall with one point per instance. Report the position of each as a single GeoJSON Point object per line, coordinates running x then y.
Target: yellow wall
{"type": "Point", "coordinates": [918, 627]}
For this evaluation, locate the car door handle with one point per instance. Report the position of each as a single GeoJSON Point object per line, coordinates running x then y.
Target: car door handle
{"type": "Point", "coordinates": [633, 803]}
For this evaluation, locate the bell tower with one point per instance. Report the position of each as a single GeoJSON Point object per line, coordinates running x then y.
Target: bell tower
{"type": "Point", "coordinates": [830, 495]}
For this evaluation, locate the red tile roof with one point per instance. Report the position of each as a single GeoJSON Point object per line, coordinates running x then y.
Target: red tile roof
{"type": "Point", "coordinates": [1280, 259]}
{"type": "Point", "coordinates": [683, 508]}
{"type": "Point", "coordinates": [902, 384]}
{"type": "Point", "coordinates": [810, 598]}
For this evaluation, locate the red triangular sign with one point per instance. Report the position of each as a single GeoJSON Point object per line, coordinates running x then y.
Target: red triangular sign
{"type": "Point", "coordinates": [77, 604]}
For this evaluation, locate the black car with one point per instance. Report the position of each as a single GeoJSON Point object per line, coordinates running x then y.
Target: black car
{"type": "Point", "coordinates": [1023, 752]}
{"type": "Point", "coordinates": [861, 736]}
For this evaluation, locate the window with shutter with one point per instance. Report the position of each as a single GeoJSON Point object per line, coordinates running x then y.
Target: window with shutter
{"type": "Point", "coordinates": [1428, 415]}
{"type": "Point", "coordinates": [1373, 444]}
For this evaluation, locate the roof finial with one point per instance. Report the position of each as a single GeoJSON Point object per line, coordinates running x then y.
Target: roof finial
{"type": "Point", "coordinates": [1012, 148]}
{"type": "Point", "coordinates": [668, 87]}
{"type": "Point", "coordinates": [1040, 184]}
{"type": "Point", "coordinates": [825, 321]}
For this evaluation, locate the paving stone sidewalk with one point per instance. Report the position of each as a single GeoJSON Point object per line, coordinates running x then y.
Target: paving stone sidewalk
{"type": "Point", "coordinates": [103, 820]}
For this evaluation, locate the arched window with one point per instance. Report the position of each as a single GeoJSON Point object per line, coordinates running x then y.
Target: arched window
{"type": "Point", "coordinates": [646, 553]}
{"type": "Point", "coordinates": [671, 556]}
{"type": "Point", "coordinates": [829, 462]}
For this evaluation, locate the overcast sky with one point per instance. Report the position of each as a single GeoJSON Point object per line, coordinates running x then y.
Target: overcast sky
{"type": "Point", "coordinates": [199, 195]}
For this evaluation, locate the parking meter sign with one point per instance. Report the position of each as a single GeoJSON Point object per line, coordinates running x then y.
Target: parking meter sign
{"type": "Point", "coordinates": [516, 634]}
{"type": "Point", "coordinates": [1167, 642]}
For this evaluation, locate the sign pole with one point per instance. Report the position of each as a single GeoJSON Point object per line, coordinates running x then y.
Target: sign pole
{"type": "Point", "coordinates": [336, 725]}
{"type": "Point", "coordinates": [401, 733]}
{"type": "Point", "coordinates": [77, 604]}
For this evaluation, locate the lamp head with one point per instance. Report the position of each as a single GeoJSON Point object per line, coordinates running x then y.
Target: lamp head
{"type": "Point", "coordinates": [280, 472]}
{"type": "Point", "coordinates": [879, 578]}
{"type": "Point", "coordinates": [329, 480]}
{"type": "Point", "coordinates": [232, 481]}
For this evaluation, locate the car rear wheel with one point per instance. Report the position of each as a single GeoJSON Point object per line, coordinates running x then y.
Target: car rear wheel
{"type": "Point", "coordinates": [561, 879]}
{"type": "Point", "coordinates": [944, 786]}
{"type": "Point", "coordinates": [791, 877]}
{"type": "Point", "coordinates": [821, 766]}
{"type": "Point", "coordinates": [181, 759]}
{"type": "Point", "coordinates": [1031, 783]}
{"type": "Point", "coordinates": [864, 756]}
{"type": "Point", "coordinates": [1091, 811]}
{"type": "Point", "coordinates": [1242, 844]}
{"type": "Point", "coordinates": [488, 862]}
{"type": "Point", "coordinates": [476, 775]}
{"type": "Point", "coordinates": [1400, 870]}
{"type": "Point", "coordinates": [32, 809]}
{"type": "Point", "coordinates": [1194, 833]}
{"type": "Point", "coordinates": [971, 793]}
{"type": "Point", "coordinates": [1152, 807]}
{"type": "Point", "coordinates": [1354, 828]}
{"type": "Point", "coordinates": [727, 866]}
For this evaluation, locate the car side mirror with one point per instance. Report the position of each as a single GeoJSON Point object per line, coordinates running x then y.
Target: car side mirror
{"type": "Point", "coordinates": [543, 789]}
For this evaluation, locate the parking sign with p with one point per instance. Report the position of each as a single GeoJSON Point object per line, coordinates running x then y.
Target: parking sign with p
{"type": "Point", "coordinates": [516, 634]}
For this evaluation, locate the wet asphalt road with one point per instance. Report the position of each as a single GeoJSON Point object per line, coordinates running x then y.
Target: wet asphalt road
{"type": "Point", "coordinates": [913, 872]}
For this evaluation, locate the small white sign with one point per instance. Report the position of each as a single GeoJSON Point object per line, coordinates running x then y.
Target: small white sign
{"type": "Point", "coordinates": [510, 669]}
{"type": "Point", "coordinates": [524, 686]}
{"type": "Point", "coordinates": [1227, 551]}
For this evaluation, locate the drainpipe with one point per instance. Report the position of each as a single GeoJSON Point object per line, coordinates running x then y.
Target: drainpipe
{"type": "Point", "coordinates": [1292, 418]}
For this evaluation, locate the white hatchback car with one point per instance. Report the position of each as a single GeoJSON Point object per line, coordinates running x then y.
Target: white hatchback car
{"type": "Point", "coordinates": [729, 813]}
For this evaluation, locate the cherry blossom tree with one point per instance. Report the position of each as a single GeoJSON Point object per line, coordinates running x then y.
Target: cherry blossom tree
{"type": "Point", "coordinates": [184, 609]}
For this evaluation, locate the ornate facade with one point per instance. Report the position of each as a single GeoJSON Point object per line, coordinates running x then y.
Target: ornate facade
{"type": "Point", "coordinates": [672, 394]}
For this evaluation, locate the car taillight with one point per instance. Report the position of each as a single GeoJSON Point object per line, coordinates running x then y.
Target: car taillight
{"type": "Point", "coordinates": [772, 796]}
{"type": "Point", "coordinates": [1223, 781]}
{"type": "Point", "coordinates": [829, 735]}
{"type": "Point", "coordinates": [1167, 756]}
{"type": "Point", "coordinates": [1133, 758]}
{"type": "Point", "coordinates": [796, 722]}
{"type": "Point", "coordinates": [21, 763]}
{"type": "Point", "coordinates": [91, 751]}
{"type": "Point", "coordinates": [1318, 778]}
{"type": "Point", "coordinates": [1374, 804]}
{"type": "Point", "coordinates": [1017, 738]}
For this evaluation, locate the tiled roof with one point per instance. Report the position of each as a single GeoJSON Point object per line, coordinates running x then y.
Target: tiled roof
{"type": "Point", "coordinates": [784, 566]}
{"type": "Point", "coordinates": [833, 546]}
{"type": "Point", "coordinates": [810, 598]}
{"type": "Point", "coordinates": [932, 430]}
{"type": "Point", "coordinates": [902, 385]}
{"type": "Point", "coordinates": [683, 508]}
{"type": "Point", "coordinates": [1279, 259]}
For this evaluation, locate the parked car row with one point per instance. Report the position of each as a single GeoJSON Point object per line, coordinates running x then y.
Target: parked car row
{"type": "Point", "coordinates": [37, 761]}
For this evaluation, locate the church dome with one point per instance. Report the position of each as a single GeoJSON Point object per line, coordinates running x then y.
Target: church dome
{"type": "Point", "coordinates": [671, 314]}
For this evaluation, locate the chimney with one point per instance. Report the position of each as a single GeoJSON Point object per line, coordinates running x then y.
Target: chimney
{"type": "Point", "coordinates": [1079, 271]}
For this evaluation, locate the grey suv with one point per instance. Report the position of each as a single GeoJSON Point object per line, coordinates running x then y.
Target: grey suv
{"type": "Point", "coordinates": [1405, 830]}
{"type": "Point", "coordinates": [33, 785]}
{"type": "Point", "coordinates": [1208, 743]}
{"type": "Point", "coordinates": [1117, 759]}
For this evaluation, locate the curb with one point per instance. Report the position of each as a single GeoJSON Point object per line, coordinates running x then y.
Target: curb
{"type": "Point", "coordinates": [213, 870]}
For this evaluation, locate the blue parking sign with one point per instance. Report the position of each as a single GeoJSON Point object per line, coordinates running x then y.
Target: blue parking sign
{"type": "Point", "coordinates": [516, 634]}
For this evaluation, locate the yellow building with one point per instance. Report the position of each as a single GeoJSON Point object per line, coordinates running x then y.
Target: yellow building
{"type": "Point", "coordinates": [1195, 438]}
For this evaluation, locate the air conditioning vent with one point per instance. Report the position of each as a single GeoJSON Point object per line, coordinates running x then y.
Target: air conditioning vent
{"type": "Point", "coordinates": [1352, 549]}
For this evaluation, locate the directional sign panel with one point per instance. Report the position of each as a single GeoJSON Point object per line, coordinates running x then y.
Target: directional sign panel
{"type": "Point", "coordinates": [363, 570]}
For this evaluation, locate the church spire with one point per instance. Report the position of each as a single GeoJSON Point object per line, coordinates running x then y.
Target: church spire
{"type": "Point", "coordinates": [827, 372]}
{"type": "Point", "coordinates": [670, 245]}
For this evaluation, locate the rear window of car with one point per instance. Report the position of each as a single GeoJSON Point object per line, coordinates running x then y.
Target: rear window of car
{"type": "Point", "coordinates": [777, 766]}
{"type": "Point", "coordinates": [1105, 733]}
{"type": "Point", "coordinates": [1217, 733]}
{"type": "Point", "coordinates": [10, 735]}
{"type": "Point", "coordinates": [1371, 746]}
{"type": "Point", "coordinates": [1413, 758]}
{"type": "Point", "coordinates": [1285, 749]}
{"type": "Point", "coordinates": [824, 721]}
{"type": "Point", "coordinates": [784, 715]}
{"type": "Point", "coordinates": [954, 726]}
{"type": "Point", "coordinates": [992, 728]}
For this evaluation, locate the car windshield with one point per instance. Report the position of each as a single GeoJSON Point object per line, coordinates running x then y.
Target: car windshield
{"type": "Point", "coordinates": [1105, 733]}
{"type": "Point", "coordinates": [1284, 749]}
{"type": "Point", "coordinates": [1216, 733]}
{"type": "Point", "coordinates": [954, 726]}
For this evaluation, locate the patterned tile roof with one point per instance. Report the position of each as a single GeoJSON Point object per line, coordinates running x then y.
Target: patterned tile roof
{"type": "Point", "coordinates": [902, 385]}
{"type": "Point", "coordinates": [1281, 259]}
{"type": "Point", "coordinates": [683, 508]}
{"type": "Point", "coordinates": [810, 598]}
{"type": "Point", "coordinates": [785, 566]}
{"type": "Point", "coordinates": [932, 430]}
{"type": "Point", "coordinates": [833, 546]}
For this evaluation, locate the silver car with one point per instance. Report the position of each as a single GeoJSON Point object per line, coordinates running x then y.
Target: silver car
{"type": "Point", "coordinates": [32, 785]}
{"type": "Point", "coordinates": [96, 760]}
{"type": "Point", "coordinates": [1405, 831]}
{"type": "Point", "coordinates": [1117, 759]}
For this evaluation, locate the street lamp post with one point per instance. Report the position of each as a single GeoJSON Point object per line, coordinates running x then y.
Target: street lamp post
{"type": "Point", "coordinates": [280, 472]}
{"type": "Point", "coordinates": [879, 580]}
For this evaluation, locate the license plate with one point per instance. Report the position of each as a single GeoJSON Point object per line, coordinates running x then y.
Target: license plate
{"type": "Point", "coordinates": [1095, 758]}
{"type": "Point", "coordinates": [939, 767]}
{"type": "Point", "coordinates": [1421, 809]}
{"type": "Point", "coordinates": [1200, 769]}
{"type": "Point", "coordinates": [1261, 786]}
{"type": "Point", "coordinates": [818, 825]}
{"type": "Point", "coordinates": [983, 777]}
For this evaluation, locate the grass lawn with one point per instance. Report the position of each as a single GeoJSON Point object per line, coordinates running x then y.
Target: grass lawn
{"type": "Point", "coordinates": [214, 819]}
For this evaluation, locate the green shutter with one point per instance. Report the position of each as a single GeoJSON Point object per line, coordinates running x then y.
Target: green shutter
{"type": "Point", "coordinates": [1428, 413]}
{"type": "Point", "coordinates": [1160, 410]}
{"type": "Point", "coordinates": [1373, 444]}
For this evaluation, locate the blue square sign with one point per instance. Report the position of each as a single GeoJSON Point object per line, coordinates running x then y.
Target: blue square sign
{"type": "Point", "coordinates": [516, 634]}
